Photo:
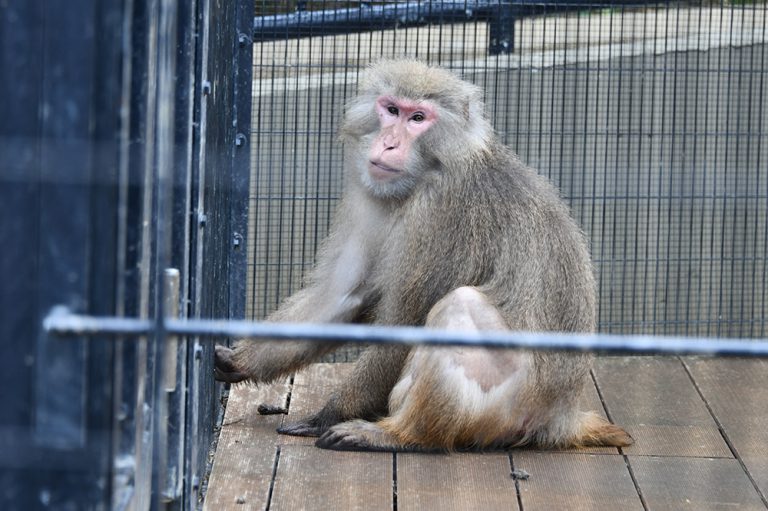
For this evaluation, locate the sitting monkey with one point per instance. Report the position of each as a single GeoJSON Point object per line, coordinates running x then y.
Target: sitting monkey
{"type": "Point", "coordinates": [440, 225]}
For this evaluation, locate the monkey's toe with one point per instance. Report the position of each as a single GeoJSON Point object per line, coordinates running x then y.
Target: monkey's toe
{"type": "Point", "coordinates": [224, 367]}
{"type": "Point", "coordinates": [307, 427]}
{"type": "Point", "coordinates": [357, 435]}
{"type": "Point", "coordinates": [344, 441]}
{"type": "Point", "coordinates": [227, 377]}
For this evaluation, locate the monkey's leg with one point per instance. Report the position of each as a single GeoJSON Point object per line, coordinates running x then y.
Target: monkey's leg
{"type": "Point", "coordinates": [363, 395]}
{"type": "Point", "coordinates": [458, 398]}
{"type": "Point", "coordinates": [447, 397]}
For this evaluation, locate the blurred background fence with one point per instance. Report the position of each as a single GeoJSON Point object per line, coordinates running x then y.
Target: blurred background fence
{"type": "Point", "coordinates": [651, 118]}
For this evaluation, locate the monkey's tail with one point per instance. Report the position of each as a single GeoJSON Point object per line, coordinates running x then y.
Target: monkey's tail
{"type": "Point", "coordinates": [594, 431]}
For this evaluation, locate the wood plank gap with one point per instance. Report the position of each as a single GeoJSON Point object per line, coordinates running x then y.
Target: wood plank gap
{"type": "Point", "coordinates": [517, 483]}
{"type": "Point", "coordinates": [634, 480]}
{"type": "Point", "coordinates": [394, 481]}
{"type": "Point", "coordinates": [621, 451]}
{"type": "Point", "coordinates": [274, 475]}
{"type": "Point", "coordinates": [600, 394]}
{"type": "Point", "coordinates": [687, 456]}
{"type": "Point", "coordinates": [290, 393]}
{"type": "Point", "coordinates": [724, 434]}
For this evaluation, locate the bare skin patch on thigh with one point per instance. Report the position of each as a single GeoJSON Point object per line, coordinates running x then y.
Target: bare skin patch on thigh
{"type": "Point", "coordinates": [488, 368]}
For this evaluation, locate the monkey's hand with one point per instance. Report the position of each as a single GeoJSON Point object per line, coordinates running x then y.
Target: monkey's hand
{"type": "Point", "coordinates": [224, 366]}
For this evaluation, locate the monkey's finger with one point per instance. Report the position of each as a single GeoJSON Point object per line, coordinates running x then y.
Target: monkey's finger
{"type": "Point", "coordinates": [224, 366]}
{"type": "Point", "coordinates": [228, 376]}
{"type": "Point", "coordinates": [224, 358]}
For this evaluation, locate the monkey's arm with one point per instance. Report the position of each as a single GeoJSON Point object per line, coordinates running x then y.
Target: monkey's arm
{"type": "Point", "coordinates": [336, 293]}
{"type": "Point", "coordinates": [266, 361]}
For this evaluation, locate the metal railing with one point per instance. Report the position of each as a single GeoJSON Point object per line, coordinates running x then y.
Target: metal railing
{"type": "Point", "coordinates": [369, 16]}
{"type": "Point", "coordinates": [62, 322]}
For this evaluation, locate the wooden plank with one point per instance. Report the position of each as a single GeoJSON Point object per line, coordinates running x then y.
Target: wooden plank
{"type": "Point", "coordinates": [694, 483]}
{"type": "Point", "coordinates": [757, 466]}
{"type": "Point", "coordinates": [575, 481]}
{"type": "Point", "coordinates": [311, 389]}
{"type": "Point", "coordinates": [456, 481]}
{"type": "Point", "coordinates": [311, 478]}
{"type": "Point", "coordinates": [735, 390]}
{"type": "Point", "coordinates": [655, 400]}
{"type": "Point", "coordinates": [246, 452]}
{"type": "Point", "coordinates": [590, 400]}
{"type": "Point", "coordinates": [248, 444]}
{"type": "Point", "coordinates": [313, 386]}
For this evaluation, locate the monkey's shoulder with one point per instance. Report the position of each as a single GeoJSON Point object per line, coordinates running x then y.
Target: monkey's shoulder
{"type": "Point", "coordinates": [499, 193]}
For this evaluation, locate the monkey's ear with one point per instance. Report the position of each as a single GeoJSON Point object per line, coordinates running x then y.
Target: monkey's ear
{"type": "Point", "coordinates": [359, 117]}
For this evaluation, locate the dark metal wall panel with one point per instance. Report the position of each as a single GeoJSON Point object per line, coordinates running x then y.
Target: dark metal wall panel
{"type": "Point", "coordinates": [65, 162]}
{"type": "Point", "coordinates": [57, 184]}
{"type": "Point", "coordinates": [21, 34]}
{"type": "Point", "coordinates": [99, 187]}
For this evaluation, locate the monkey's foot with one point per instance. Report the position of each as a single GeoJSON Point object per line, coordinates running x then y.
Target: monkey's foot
{"type": "Point", "coordinates": [359, 435]}
{"type": "Point", "coordinates": [311, 426]}
{"type": "Point", "coordinates": [224, 366]}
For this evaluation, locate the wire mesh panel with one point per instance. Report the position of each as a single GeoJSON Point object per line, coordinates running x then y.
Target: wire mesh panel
{"type": "Point", "coordinates": [650, 118]}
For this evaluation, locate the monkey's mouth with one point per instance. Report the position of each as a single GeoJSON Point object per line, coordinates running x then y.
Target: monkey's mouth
{"type": "Point", "coordinates": [378, 169]}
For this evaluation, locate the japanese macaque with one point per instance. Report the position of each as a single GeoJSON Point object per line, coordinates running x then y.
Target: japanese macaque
{"type": "Point", "coordinates": [440, 225]}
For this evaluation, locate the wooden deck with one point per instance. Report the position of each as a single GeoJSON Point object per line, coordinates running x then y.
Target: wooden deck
{"type": "Point", "coordinates": [700, 427]}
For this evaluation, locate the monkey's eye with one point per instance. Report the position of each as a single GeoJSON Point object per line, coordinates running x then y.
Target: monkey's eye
{"type": "Point", "coordinates": [417, 117]}
{"type": "Point", "coordinates": [393, 110]}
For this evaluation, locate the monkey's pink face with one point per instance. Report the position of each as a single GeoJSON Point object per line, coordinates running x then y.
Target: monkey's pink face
{"type": "Point", "coordinates": [402, 121]}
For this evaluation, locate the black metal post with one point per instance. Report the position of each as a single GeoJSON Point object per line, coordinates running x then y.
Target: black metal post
{"type": "Point", "coordinates": [501, 29]}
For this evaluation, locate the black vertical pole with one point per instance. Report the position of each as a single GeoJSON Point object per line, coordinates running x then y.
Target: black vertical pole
{"type": "Point", "coordinates": [501, 30]}
{"type": "Point", "coordinates": [242, 67]}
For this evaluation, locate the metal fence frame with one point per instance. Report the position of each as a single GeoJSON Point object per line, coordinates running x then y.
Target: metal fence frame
{"type": "Point", "coordinates": [125, 193]}
{"type": "Point", "coordinates": [500, 14]}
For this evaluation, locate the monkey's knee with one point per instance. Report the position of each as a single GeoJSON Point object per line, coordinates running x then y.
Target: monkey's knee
{"type": "Point", "coordinates": [457, 302]}
{"type": "Point", "coordinates": [466, 308]}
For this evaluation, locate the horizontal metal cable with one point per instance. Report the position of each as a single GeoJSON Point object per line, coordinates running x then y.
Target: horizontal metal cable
{"type": "Point", "coordinates": [62, 322]}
